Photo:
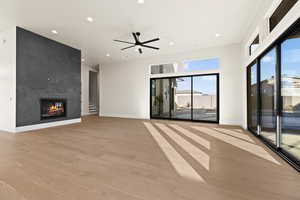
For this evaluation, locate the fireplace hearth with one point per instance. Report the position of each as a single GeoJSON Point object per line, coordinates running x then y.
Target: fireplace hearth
{"type": "Point", "coordinates": [53, 108]}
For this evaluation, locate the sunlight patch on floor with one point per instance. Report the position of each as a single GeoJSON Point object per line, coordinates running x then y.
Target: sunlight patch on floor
{"type": "Point", "coordinates": [201, 157]}
{"type": "Point", "coordinates": [194, 137]}
{"type": "Point", "coordinates": [235, 134]}
{"type": "Point", "coordinates": [249, 147]}
{"type": "Point", "coordinates": [238, 130]}
{"type": "Point", "coordinates": [182, 167]}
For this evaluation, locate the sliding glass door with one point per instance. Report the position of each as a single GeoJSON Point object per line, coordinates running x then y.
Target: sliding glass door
{"type": "Point", "coordinates": [268, 105]}
{"type": "Point", "coordinates": [252, 96]}
{"type": "Point", "coordinates": [274, 96]}
{"type": "Point", "coordinates": [205, 98]}
{"type": "Point", "coordinates": [192, 98]}
{"type": "Point", "coordinates": [160, 99]}
{"type": "Point", "coordinates": [290, 94]}
{"type": "Point", "coordinates": [181, 98]}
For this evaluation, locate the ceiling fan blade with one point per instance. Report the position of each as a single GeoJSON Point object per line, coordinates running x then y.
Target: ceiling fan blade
{"type": "Point", "coordinates": [153, 40]}
{"type": "Point", "coordinates": [123, 41]}
{"type": "Point", "coordinates": [128, 47]}
{"type": "Point", "coordinates": [140, 50]}
{"type": "Point", "coordinates": [149, 47]}
{"type": "Point", "coordinates": [135, 37]}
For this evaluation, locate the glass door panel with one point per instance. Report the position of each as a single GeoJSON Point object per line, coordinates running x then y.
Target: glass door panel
{"type": "Point", "coordinates": [160, 98]}
{"type": "Point", "coordinates": [252, 92]}
{"type": "Point", "coordinates": [181, 98]}
{"type": "Point", "coordinates": [277, 100]}
{"type": "Point", "coordinates": [290, 94]}
{"type": "Point", "coordinates": [205, 98]}
{"type": "Point", "coordinates": [268, 96]}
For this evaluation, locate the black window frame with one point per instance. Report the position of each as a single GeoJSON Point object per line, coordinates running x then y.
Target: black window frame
{"type": "Point", "coordinates": [280, 12]}
{"type": "Point", "coordinates": [255, 41]}
{"type": "Point", "coordinates": [192, 120]}
{"type": "Point", "coordinates": [289, 158]}
{"type": "Point", "coordinates": [248, 79]}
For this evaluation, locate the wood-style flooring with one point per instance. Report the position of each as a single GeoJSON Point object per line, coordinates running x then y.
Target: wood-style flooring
{"type": "Point", "coordinates": [122, 159]}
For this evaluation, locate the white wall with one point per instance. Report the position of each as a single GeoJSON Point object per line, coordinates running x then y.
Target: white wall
{"type": "Point", "coordinates": [125, 87]}
{"type": "Point", "coordinates": [85, 88]}
{"type": "Point", "coordinates": [260, 25]}
{"type": "Point", "coordinates": [8, 80]}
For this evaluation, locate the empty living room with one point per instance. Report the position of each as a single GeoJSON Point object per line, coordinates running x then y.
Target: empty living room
{"type": "Point", "coordinates": [150, 100]}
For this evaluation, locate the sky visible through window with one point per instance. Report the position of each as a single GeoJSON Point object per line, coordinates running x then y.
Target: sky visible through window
{"type": "Point", "coordinates": [253, 74]}
{"type": "Point", "coordinates": [268, 64]}
{"type": "Point", "coordinates": [290, 58]}
{"type": "Point", "coordinates": [199, 65]}
{"type": "Point", "coordinates": [204, 84]}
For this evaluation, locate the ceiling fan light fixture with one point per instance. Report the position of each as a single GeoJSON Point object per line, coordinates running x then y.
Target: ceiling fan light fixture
{"type": "Point", "coordinates": [89, 19]}
{"type": "Point", "coordinates": [54, 32]}
{"type": "Point", "coordinates": [137, 48]}
{"type": "Point", "coordinates": [137, 44]}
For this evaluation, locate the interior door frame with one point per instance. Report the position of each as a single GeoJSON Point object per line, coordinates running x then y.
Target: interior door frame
{"type": "Point", "coordinates": [194, 75]}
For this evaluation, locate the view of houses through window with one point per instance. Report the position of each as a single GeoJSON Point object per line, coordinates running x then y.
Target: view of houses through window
{"type": "Point", "coordinates": [274, 103]}
{"type": "Point", "coordinates": [190, 97]}
{"type": "Point", "coordinates": [186, 98]}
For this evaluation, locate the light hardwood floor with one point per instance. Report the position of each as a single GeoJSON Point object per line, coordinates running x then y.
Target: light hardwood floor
{"type": "Point", "coordinates": [111, 158]}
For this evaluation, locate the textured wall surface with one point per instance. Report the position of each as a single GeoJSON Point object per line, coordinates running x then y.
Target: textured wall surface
{"type": "Point", "coordinates": [45, 69]}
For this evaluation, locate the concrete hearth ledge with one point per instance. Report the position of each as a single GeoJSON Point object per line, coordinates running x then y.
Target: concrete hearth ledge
{"type": "Point", "coordinates": [46, 125]}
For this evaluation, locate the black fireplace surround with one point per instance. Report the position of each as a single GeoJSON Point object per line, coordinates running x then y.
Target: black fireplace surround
{"type": "Point", "coordinates": [53, 108]}
{"type": "Point", "coordinates": [46, 69]}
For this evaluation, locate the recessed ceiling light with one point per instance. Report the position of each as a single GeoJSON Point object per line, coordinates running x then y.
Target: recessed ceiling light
{"type": "Point", "coordinates": [54, 32]}
{"type": "Point", "coordinates": [82, 60]}
{"type": "Point", "coordinates": [107, 54]}
{"type": "Point", "coordinates": [140, 1]}
{"type": "Point", "coordinates": [218, 34]}
{"type": "Point", "coordinates": [171, 43]}
{"type": "Point", "coordinates": [89, 19]}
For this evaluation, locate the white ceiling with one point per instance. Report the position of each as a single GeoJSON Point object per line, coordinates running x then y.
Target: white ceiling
{"type": "Point", "coordinates": [190, 24]}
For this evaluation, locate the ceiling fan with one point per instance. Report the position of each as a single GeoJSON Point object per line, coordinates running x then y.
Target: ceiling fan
{"type": "Point", "coordinates": [138, 43]}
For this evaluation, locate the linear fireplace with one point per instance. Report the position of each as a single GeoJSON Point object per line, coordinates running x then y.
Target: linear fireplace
{"type": "Point", "coordinates": [53, 108]}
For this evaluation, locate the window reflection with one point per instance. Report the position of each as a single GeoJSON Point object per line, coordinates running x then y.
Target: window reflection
{"type": "Point", "coordinates": [252, 112]}
{"type": "Point", "coordinates": [290, 94]}
{"type": "Point", "coordinates": [267, 98]}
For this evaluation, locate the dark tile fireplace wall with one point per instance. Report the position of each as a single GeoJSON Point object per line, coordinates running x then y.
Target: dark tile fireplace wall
{"type": "Point", "coordinates": [45, 69]}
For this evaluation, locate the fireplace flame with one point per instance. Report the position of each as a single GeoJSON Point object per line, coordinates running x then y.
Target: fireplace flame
{"type": "Point", "coordinates": [55, 108]}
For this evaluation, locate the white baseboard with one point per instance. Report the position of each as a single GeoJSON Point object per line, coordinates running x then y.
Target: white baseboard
{"type": "Point", "coordinates": [6, 130]}
{"type": "Point", "coordinates": [46, 125]}
{"type": "Point", "coordinates": [122, 116]}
